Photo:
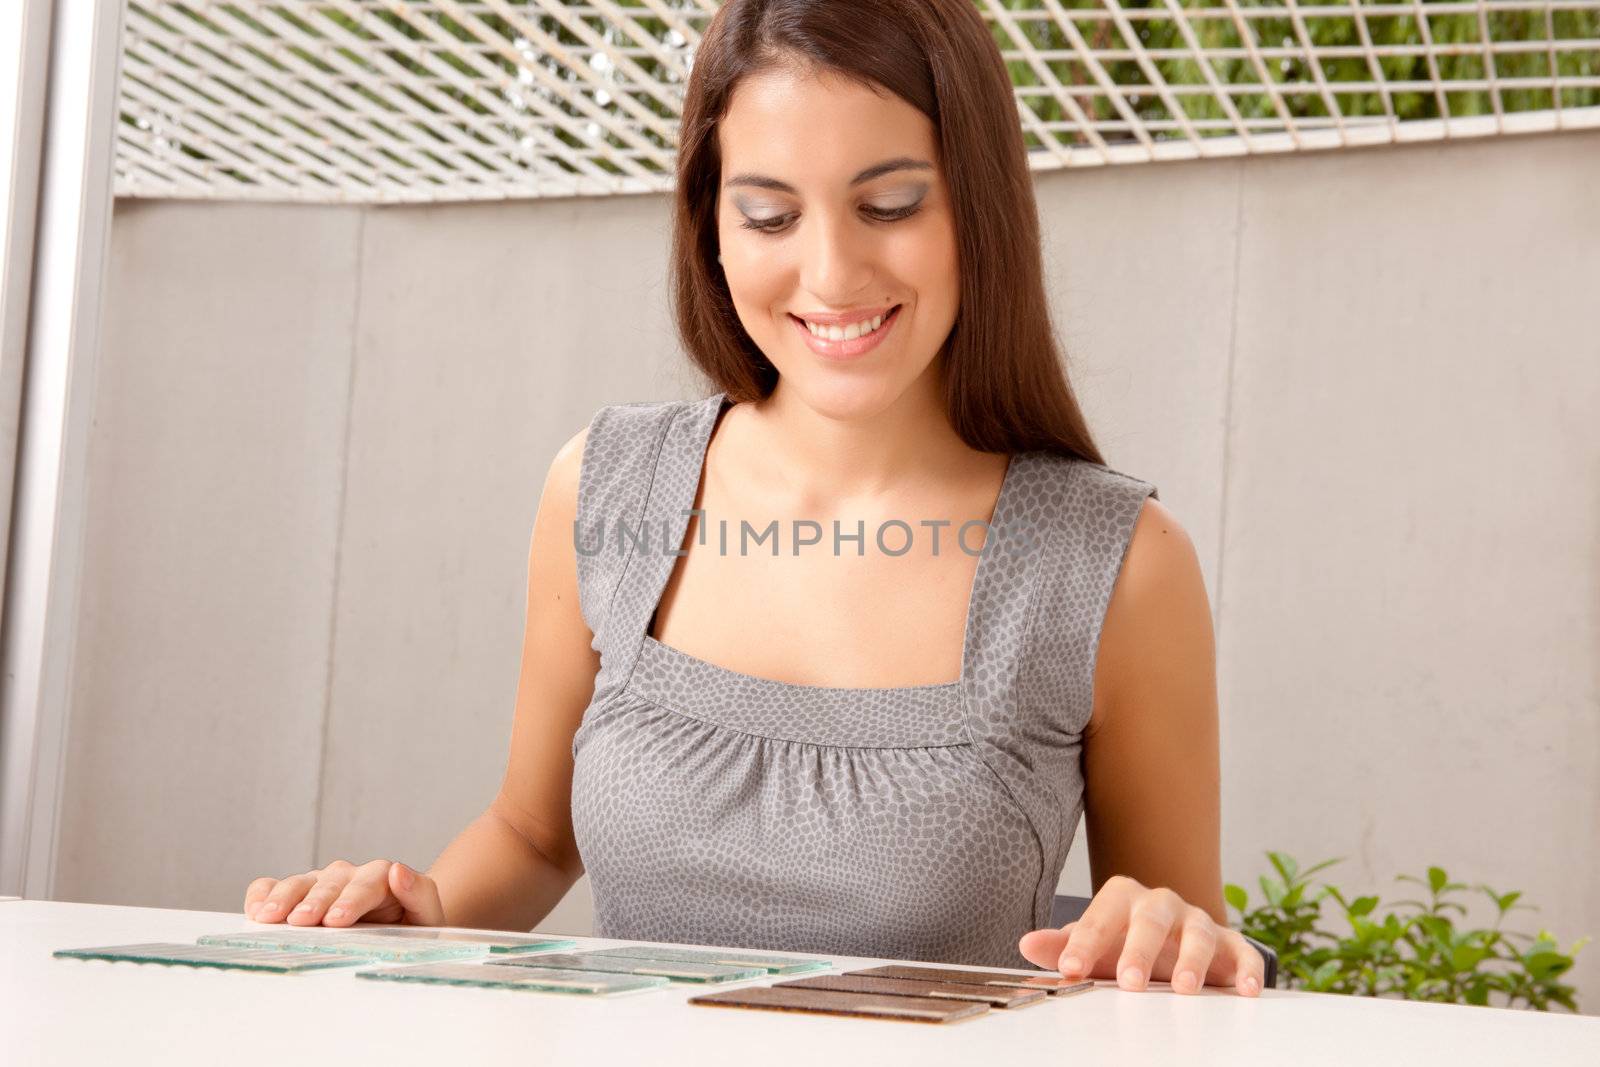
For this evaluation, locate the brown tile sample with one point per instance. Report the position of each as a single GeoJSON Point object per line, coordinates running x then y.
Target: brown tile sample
{"type": "Point", "coordinates": [1049, 981]}
{"type": "Point", "coordinates": [829, 1002]}
{"type": "Point", "coordinates": [993, 995]}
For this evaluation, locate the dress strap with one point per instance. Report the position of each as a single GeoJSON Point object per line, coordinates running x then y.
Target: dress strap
{"type": "Point", "coordinates": [637, 482]}
{"type": "Point", "coordinates": [1031, 679]}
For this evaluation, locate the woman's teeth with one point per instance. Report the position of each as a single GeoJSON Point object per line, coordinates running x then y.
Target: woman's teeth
{"type": "Point", "coordinates": [846, 333]}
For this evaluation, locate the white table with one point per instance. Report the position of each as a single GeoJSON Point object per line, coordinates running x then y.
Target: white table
{"type": "Point", "coordinates": [74, 1011]}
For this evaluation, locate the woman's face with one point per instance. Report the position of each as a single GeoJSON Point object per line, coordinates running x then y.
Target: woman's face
{"type": "Point", "coordinates": [833, 204]}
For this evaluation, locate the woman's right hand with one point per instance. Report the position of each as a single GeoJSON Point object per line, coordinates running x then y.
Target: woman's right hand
{"type": "Point", "coordinates": [341, 893]}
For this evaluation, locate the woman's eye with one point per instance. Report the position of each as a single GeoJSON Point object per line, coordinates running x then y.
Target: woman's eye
{"type": "Point", "coordinates": [766, 225]}
{"type": "Point", "coordinates": [893, 214]}
{"type": "Point", "coordinates": [779, 222]}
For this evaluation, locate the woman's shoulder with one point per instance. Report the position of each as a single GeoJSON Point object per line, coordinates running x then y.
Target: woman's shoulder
{"type": "Point", "coordinates": [1119, 519]}
{"type": "Point", "coordinates": [1098, 502]}
{"type": "Point", "coordinates": [633, 418]}
{"type": "Point", "coordinates": [627, 427]}
{"type": "Point", "coordinates": [632, 421]}
{"type": "Point", "coordinates": [1091, 476]}
{"type": "Point", "coordinates": [613, 456]}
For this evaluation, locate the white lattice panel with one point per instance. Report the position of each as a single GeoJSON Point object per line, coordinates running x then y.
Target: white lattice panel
{"type": "Point", "coordinates": [419, 100]}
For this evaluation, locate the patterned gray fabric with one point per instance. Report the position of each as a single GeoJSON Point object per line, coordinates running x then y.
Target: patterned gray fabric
{"type": "Point", "coordinates": [918, 822]}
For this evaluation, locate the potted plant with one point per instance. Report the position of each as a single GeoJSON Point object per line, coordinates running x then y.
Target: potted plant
{"type": "Point", "coordinates": [1416, 951]}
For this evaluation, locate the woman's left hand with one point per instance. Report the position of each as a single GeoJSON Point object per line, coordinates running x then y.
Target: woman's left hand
{"type": "Point", "coordinates": [1136, 934]}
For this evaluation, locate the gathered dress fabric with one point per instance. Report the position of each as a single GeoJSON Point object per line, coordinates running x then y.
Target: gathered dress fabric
{"type": "Point", "coordinates": [926, 822]}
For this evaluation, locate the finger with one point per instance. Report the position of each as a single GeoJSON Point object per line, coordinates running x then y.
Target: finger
{"type": "Point", "coordinates": [255, 893]}
{"type": "Point", "coordinates": [417, 894]}
{"type": "Point", "coordinates": [284, 896]}
{"type": "Point", "coordinates": [365, 896]}
{"type": "Point", "coordinates": [1197, 946]}
{"type": "Point", "coordinates": [1043, 948]}
{"type": "Point", "coordinates": [1150, 923]}
{"type": "Point", "coordinates": [1240, 964]}
{"type": "Point", "coordinates": [1100, 928]}
{"type": "Point", "coordinates": [330, 882]}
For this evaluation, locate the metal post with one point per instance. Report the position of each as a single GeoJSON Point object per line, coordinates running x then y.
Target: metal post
{"type": "Point", "coordinates": [74, 49]}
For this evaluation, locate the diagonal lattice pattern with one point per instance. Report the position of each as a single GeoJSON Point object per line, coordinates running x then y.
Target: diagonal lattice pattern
{"type": "Point", "coordinates": [421, 100]}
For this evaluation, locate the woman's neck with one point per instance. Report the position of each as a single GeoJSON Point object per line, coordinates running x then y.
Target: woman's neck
{"type": "Point", "coordinates": [819, 459]}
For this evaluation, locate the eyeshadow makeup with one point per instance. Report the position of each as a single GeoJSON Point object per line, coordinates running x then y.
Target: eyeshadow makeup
{"type": "Point", "coordinates": [499, 944]}
{"type": "Point", "coordinates": [772, 964]}
{"type": "Point", "coordinates": [678, 972]}
{"type": "Point", "coordinates": [993, 995]}
{"type": "Point", "coordinates": [331, 939]}
{"type": "Point", "coordinates": [1051, 983]}
{"type": "Point", "coordinates": [220, 956]}
{"type": "Point", "coordinates": [830, 1002]}
{"type": "Point", "coordinates": [520, 977]}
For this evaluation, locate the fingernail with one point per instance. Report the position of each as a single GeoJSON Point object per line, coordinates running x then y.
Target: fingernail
{"type": "Point", "coordinates": [267, 908]}
{"type": "Point", "coordinates": [407, 879]}
{"type": "Point", "coordinates": [1072, 965]}
{"type": "Point", "coordinates": [1185, 982]}
{"type": "Point", "coordinates": [335, 913]}
{"type": "Point", "coordinates": [1132, 977]}
{"type": "Point", "coordinates": [302, 909]}
{"type": "Point", "coordinates": [1251, 986]}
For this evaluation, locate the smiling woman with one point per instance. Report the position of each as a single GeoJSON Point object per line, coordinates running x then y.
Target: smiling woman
{"type": "Point", "coordinates": [905, 185]}
{"type": "Point", "coordinates": [882, 754]}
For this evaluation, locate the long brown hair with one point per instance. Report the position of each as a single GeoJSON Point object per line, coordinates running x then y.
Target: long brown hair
{"type": "Point", "coordinates": [1005, 387]}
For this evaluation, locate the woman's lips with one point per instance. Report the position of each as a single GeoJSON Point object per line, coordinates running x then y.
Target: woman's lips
{"type": "Point", "coordinates": [851, 349]}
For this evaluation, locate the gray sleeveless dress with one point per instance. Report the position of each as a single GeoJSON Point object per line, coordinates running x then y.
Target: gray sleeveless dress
{"type": "Point", "coordinates": [924, 822]}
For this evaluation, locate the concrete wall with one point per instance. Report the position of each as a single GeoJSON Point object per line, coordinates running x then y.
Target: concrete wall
{"type": "Point", "coordinates": [1365, 381]}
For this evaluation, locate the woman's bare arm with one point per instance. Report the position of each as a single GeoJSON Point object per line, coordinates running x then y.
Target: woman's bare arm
{"type": "Point", "coordinates": [516, 861]}
{"type": "Point", "coordinates": [1152, 785]}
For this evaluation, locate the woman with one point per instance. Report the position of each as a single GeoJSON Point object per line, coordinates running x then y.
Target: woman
{"type": "Point", "coordinates": [809, 745]}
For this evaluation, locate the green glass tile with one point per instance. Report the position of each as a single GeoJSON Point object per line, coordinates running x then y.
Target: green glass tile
{"type": "Point", "coordinates": [498, 944]}
{"type": "Point", "coordinates": [227, 957]}
{"type": "Point", "coordinates": [332, 939]}
{"type": "Point", "coordinates": [771, 964]}
{"type": "Point", "coordinates": [678, 972]}
{"type": "Point", "coordinates": [520, 976]}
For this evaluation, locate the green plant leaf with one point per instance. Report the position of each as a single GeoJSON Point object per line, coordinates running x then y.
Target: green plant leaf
{"type": "Point", "coordinates": [1236, 896]}
{"type": "Point", "coordinates": [1436, 878]}
{"type": "Point", "coordinates": [1546, 965]}
{"type": "Point", "coordinates": [1309, 871]}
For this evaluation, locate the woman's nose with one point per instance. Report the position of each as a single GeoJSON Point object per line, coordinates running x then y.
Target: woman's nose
{"type": "Point", "coordinates": [836, 261]}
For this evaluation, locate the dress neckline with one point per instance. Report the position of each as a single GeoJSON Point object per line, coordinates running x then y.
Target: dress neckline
{"type": "Point", "coordinates": [700, 443]}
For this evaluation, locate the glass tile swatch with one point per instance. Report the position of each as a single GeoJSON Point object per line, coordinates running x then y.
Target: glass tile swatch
{"type": "Point", "coordinates": [498, 944]}
{"type": "Point", "coordinates": [678, 972]}
{"type": "Point", "coordinates": [519, 977]}
{"type": "Point", "coordinates": [330, 939]}
{"type": "Point", "coordinates": [226, 957]}
{"type": "Point", "coordinates": [772, 964]}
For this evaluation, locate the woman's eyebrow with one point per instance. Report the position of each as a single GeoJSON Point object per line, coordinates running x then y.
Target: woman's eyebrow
{"type": "Point", "coordinates": [877, 170]}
